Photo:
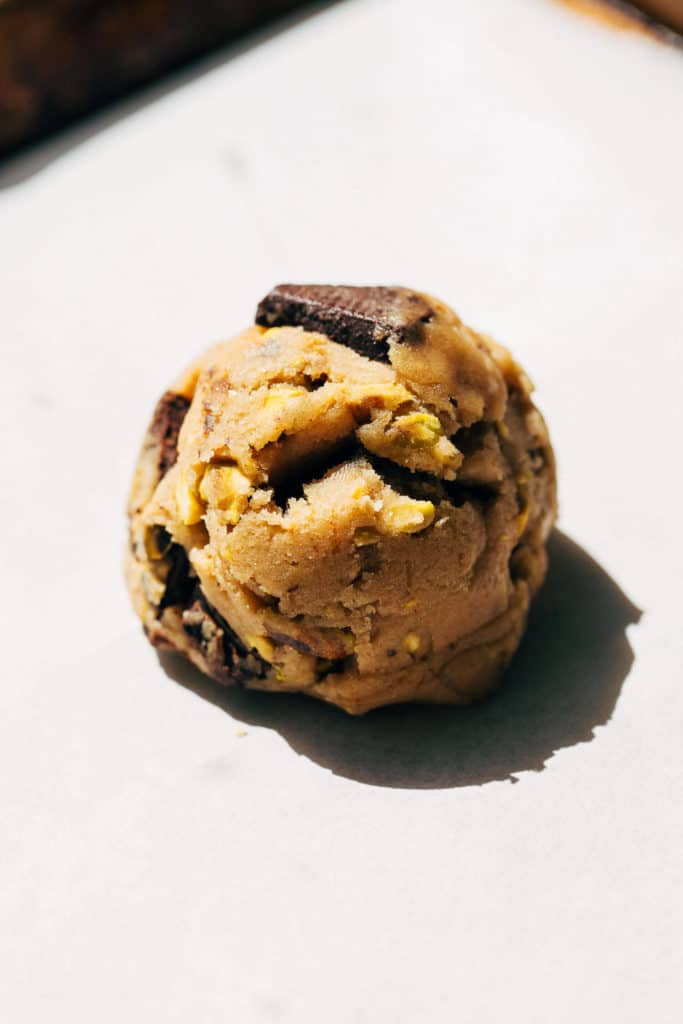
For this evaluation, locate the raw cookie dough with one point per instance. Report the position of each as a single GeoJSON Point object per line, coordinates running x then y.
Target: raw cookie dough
{"type": "Point", "coordinates": [350, 499]}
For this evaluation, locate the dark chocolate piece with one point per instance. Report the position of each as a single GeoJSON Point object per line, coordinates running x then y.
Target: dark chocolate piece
{"type": "Point", "coordinates": [171, 410]}
{"type": "Point", "coordinates": [227, 657]}
{"type": "Point", "coordinates": [365, 319]}
{"type": "Point", "coordinates": [424, 486]}
{"type": "Point", "coordinates": [179, 583]}
{"type": "Point", "coordinates": [294, 642]}
{"type": "Point", "coordinates": [290, 485]}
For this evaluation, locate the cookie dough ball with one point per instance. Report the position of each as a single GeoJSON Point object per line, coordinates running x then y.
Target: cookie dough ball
{"type": "Point", "coordinates": [350, 499]}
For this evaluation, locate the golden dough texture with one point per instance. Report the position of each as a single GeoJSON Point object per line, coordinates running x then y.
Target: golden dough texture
{"type": "Point", "coordinates": [304, 518]}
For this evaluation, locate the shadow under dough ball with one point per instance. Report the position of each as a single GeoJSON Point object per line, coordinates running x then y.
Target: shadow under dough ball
{"type": "Point", "coordinates": [350, 499]}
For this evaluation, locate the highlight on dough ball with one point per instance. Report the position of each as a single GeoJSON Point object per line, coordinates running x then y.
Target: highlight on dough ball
{"type": "Point", "coordinates": [350, 499]}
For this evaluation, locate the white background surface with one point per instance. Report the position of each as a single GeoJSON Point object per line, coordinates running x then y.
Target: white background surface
{"type": "Point", "coordinates": [525, 165]}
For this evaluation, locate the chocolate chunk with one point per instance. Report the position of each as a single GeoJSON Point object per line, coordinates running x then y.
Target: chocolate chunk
{"type": "Point", "coordinates": [171, 410]}
{"type": "Point", "coordinates": [294, 642]}
{"type": "Point", "coordinates": [179, 583]}
{"type": "Point", "coordinates": [228, 659]}
{"type": "Point", "coordinates": [365, 319]}
{"type": "Point", "coordinates": [208, 636]}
